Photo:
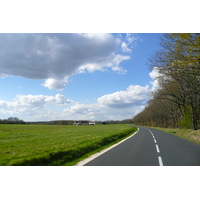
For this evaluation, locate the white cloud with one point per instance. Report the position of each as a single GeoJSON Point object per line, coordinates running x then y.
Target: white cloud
{"type": "Point", "coordinates": [119, 70]}
{"type": "Point", "coordinates": [130, 38]}
{"type": "Point", "coordinates": [56, 57]}
{"type": "Point", "coordinates": [31, 104]}
{"type": "Point", "coordinates": [134, 95]}
{"type": "Point", "coordinates": [82, 111]}
{"type": "Point", "coordinates": [54, 84]}
{"type": "Point", "coordinates": [125, 48]}
{"type": "Point", "coordinates": [113, 62]}
{"type": "Point", "coordinates": [41, 100]}
{"type": "Point", "coordinates": [154, 74]}
{"type": "Point", "coordinates": [116, 106]}
{"type": "Point", "coordinates": [129, 43]}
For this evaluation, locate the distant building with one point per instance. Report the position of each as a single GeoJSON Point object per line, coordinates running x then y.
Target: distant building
{"type": "Point", "coordinates": [81, 123]}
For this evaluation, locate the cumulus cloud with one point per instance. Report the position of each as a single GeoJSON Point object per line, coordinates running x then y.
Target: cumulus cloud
{"type": "Point", "coordinates": [125, 47]}
{"type": "Point", "coordinates": [55, 57]}
{"type": "Point", "coordinates": [31, 104]}
{"type": "Point", "coordinates": [154, 74]}
{"type": "Point", "coordinates": [83, 111]}
{"type": "Point", "coordinates": [128, 43]}
{"type": "Point", "coordinates": [116, 106]}
{"type": "Point", "coordinates": [134, 95]}
{"type": "Point", "coordinates": [95, 112]}
{"type": "Point", "coordinates": [41, 100]}
{"type": "Point", "coordinates": [54, 84]}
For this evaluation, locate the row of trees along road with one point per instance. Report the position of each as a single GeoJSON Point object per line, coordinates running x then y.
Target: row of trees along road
{"type": "Point", "coordinates": [176, 103]}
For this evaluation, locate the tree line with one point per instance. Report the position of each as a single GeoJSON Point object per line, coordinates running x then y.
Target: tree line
{"type": "Point", "coordinates": [11, 120]}
{"type": "Point", "coordinates": [71, 122]}
{"type": "Point", "coordinates": [176, 103]}
{"type": "Point", "coordinates": [15, 120]}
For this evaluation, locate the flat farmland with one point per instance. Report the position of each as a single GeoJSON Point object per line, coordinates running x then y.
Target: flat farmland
{"type": "Point", "coordinates": [41, 145]}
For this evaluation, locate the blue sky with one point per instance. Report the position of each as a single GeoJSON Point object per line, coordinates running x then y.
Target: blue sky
{"type": "Point", "coordinates": [75, 76]}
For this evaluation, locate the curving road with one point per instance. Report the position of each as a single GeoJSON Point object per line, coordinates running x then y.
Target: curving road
{"type": "Point", "coordinates": [150, 147]}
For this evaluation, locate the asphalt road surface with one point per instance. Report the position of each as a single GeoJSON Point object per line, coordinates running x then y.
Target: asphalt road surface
{"type": "Point", "coordinates": [150, 147]}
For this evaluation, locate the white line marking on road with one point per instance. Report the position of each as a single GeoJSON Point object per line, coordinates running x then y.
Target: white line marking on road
{"type": "Point", "coordinates": [92, 157]}
{"type": "Point", "coordinates": [150, 131]}
{"type": "Point", "coordinates": [157, 148]}
{"type": "Point", "coordinates": [160, 161]}
{"type": "Point", "coordinates": [151, 134]}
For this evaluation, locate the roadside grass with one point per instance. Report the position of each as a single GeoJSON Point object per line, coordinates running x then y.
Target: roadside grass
{"type": "Point", "coordinates": [43, 145]}
{"type": "Point", "coordinates": [187, 134]}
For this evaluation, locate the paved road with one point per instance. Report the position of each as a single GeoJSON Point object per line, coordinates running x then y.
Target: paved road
{"type": "Point", "coordinates": [151, 147]}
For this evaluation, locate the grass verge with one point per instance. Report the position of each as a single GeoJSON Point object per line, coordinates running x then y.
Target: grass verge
{"type": "Point", "coordinates": [187, 134]}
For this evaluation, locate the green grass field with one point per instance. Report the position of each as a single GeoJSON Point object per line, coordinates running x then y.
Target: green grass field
{"type": "Point", "coordinates": [41, 145]}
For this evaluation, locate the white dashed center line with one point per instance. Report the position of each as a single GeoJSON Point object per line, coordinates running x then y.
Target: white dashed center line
{"type": "Point", "coordinates": [160, 161]}
{"type": "Point", "coordinates": [157, 149]}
